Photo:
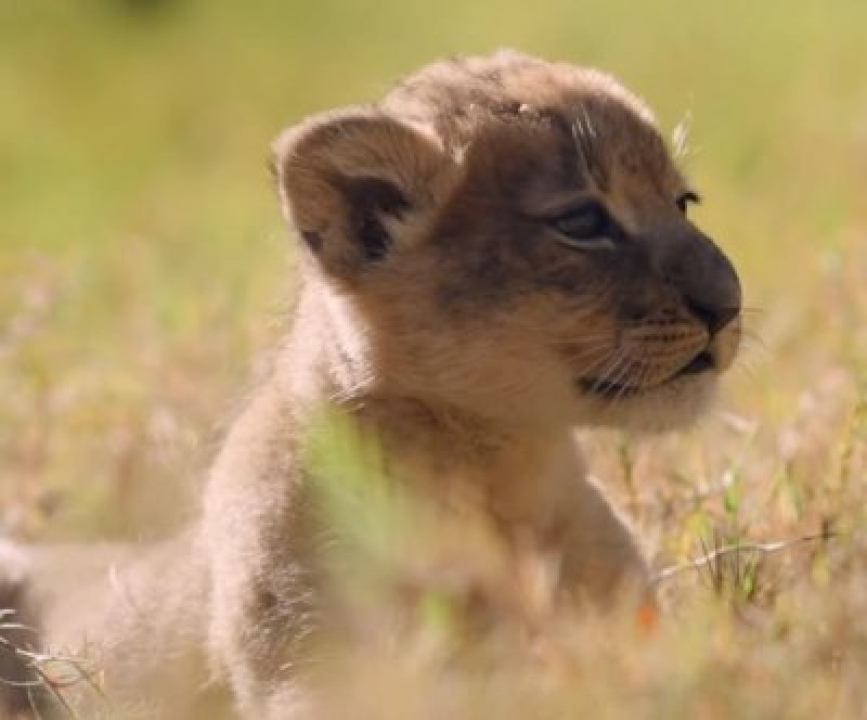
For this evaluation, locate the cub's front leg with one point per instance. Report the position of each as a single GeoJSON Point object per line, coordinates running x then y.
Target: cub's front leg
{"type": "Point", "coordinates": [262, 625]}
{"type": "Point", "coordinates": [257, 533]}
{"type": "Point", "coordinates": [601, 561]}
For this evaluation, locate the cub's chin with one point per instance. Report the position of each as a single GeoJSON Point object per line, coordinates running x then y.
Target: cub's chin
{"type": "Point", "coordinates": [673, 405]}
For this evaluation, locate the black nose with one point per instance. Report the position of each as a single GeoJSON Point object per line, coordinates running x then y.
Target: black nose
{"type": "Point", "coordinates": [715, 317]}
{"type": "Point", "coordinates": [706, 279]}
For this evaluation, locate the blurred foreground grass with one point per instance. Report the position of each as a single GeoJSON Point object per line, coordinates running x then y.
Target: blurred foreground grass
{"type": "Point", "coordinates": [142, 263]}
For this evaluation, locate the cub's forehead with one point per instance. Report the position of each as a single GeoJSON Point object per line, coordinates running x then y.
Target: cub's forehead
{"type": "Point", "coordinates": [518, 112]}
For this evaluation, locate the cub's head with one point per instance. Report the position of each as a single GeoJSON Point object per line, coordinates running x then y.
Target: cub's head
{"type": "Point", "coordinates": [511, 237]}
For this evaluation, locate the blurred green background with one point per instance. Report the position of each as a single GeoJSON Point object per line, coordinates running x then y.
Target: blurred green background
{"type": "Point", "coordinates": [142, 256]}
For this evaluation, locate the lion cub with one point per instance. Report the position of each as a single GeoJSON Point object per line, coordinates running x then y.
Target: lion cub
{"type": "Point", "coordinates": [495, 254]}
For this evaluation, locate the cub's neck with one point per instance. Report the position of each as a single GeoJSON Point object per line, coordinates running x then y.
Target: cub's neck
{"type": "Point", "coordinates": [327, 363]}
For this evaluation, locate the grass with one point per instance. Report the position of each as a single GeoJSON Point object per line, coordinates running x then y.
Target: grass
{"type": "Point", "coordinates": [143, 264]}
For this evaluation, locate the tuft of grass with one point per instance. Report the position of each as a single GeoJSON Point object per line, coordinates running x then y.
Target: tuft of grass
{"type": "Point", "coordinates": [44, 677]}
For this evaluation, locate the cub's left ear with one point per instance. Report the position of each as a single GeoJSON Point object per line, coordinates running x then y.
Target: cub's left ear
{"type": "Point", "coordinates": [351, 181]}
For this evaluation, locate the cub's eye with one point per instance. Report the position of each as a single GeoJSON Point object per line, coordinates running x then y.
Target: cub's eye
{"type": "Point", "coordinates": [584, 227]}
{"type": "Point", "coordinates": [684, 200]}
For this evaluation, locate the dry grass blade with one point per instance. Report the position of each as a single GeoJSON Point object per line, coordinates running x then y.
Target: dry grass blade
{"type": "Point", "coordinates": [710, 557]}
{"type": "Point", "coordinates": [53, 673]}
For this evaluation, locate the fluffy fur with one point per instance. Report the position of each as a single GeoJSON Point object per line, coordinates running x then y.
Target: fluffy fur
{"type": "Point", "coordinates": [493, 255]}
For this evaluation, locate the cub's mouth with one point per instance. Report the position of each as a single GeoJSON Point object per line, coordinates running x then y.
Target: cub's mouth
{"type": "Point", "coordinates": [702, 362]}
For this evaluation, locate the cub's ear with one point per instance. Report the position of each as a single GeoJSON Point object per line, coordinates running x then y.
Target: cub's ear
{"type": "Point", "coordinates": [355, 184]}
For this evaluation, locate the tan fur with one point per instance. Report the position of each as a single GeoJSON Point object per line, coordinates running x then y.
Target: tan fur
{"type": "Point", "coordinates": [443, 311]}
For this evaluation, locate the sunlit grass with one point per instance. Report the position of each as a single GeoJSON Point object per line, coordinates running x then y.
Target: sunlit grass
{"type": "Point", "coordinates": [142, 266]}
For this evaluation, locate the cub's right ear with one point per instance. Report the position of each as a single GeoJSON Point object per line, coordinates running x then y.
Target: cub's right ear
{"type": "Point", "coordinates": [350, 182]}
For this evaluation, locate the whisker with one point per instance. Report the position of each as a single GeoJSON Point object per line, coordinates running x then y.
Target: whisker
{"type": "Point", "coordinates": [754, 346]}
{"type": "Point", "coordinates": [637, 380]}
{"type": "Point", "coordinates": [597, 335]}
{"type": "Point", "coordinates": [605, 366]}
{"type": "Point", "coordinates": [598, 352]}
{"type": "Point", "coordinates": [615, 373]}
{"type": "Point", "coordinates": [752, 334]}
{"type": "Point", "coordinates": [747, 369]}
{"type": "Point", "coordinates": [608, 372]}
{"type": "Point", "coordinates": [625, 389]}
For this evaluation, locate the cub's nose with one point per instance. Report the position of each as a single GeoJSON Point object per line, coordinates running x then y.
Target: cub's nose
{"type": "Point", "coordinates": [706, 280]}
{"type": "Point", "coordinates": [715, 318]}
